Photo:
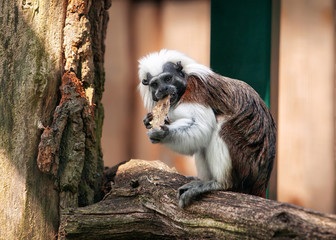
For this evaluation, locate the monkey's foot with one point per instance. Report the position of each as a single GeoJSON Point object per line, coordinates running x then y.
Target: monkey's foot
{"type": "Point", "coordinates": [190, 191]}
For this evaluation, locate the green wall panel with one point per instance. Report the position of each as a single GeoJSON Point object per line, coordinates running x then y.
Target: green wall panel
{"type": "Point", "coordinates": [240, 41]}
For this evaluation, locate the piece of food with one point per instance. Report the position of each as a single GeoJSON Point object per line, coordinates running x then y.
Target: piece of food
{"type": "Point", "coordinates": [160, 112]}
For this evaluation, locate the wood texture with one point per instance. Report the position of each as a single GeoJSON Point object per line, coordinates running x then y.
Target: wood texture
{"type": "Point", "coordinates": [142, 205]}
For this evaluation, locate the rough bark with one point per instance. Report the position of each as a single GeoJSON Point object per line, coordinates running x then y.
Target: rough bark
{"type": "Point", "coordinates": [142, 205]}
{"type": "Point", "coordinates": [30, 72]}
{"type": "Point", "coordinates": [41, 41]}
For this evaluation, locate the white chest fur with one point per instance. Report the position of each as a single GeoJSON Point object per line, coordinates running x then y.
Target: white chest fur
{"type": "Point", "coordinates": [194, 131]}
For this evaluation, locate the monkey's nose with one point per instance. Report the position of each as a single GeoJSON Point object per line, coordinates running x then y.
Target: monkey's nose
{"type": "Point", "coordinates": [163, 89]}
{"type": "Point", "coordinates": [162, 92]}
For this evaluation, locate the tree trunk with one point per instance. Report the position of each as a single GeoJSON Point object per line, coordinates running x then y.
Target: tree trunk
{"type": "Point", "coordinates": [143, 205]}
{"type": "Point", "coordinates": [42, 43]}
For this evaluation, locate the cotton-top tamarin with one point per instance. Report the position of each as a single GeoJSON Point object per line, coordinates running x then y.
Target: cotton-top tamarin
{"type": "Point", "coordinates": [223, 122]}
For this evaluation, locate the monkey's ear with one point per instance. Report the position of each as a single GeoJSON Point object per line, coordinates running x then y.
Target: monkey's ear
{"type": "Point", "coordinates": [146, 81]}
{"type": "Point", "coordinates": [179, 66]}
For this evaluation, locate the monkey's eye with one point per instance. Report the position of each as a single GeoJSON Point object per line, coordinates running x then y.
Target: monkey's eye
{"type": "Point", "coordinates": [168, 79]}
{"type": "Point", "coordinates": [153, 84]}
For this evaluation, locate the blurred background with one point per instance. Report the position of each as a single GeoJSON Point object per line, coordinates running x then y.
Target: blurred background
{"type": "Point", "coordinates": [285, 49]}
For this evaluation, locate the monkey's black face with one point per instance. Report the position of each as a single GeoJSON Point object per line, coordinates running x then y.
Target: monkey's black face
{"type": "Point", "coordinates": [172, 81]}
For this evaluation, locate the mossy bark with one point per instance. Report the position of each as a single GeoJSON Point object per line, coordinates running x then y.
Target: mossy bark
{"type": "Point", "coordinates": [32, 62]}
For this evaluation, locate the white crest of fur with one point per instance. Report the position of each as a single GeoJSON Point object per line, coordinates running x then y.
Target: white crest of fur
{"type": "Point", "coordinates": [153, 63]}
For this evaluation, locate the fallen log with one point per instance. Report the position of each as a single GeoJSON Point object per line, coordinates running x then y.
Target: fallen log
{"type": "Point", "coordinates": [142, 204]}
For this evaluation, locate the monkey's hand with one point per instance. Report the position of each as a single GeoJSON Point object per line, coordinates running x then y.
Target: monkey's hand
{"type": "Point", "coordinates": [157, 135]}
{"type": "Point", "coordinates": [147, 120]}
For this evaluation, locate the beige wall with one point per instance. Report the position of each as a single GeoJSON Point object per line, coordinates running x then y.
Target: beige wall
{"type": "Point", "coordinates": [116, 101]}
{"type": "Point", "coordinates": [306, 161]}
{"type": "Point", "coordinates": [136, 29]}
{"type": "Point", "coordinates": [305, 105]}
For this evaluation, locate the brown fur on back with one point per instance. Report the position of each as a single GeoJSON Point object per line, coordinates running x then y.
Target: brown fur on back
{"type": "Point", "coordinates": [249, 129]}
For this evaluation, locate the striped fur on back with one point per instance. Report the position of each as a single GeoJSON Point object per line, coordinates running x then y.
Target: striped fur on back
{"type": "Point", "coordinates": [248, 128]}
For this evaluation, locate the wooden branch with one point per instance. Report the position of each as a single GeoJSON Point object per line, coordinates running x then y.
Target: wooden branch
{"type": "Point", "coordinates": [143, 205]}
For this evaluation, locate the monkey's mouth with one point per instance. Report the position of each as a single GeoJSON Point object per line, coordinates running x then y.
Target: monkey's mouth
{"type": "Point", "coordinates": [173, 99]}
{"type": "Point", "coordinates": [162, 95]}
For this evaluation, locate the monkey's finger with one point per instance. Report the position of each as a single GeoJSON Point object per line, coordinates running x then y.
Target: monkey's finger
{"type": "Point", "coordinates": [148, 118]}
{"type": "Point", "coordinates": [184, 189]}
{"type": "Point", "coordinates": [181, 191]}
{"type": "Point", "coordinates": [186, 198]}
{"type": "Point", "coordinates": [154, 141]}
{"type": "Point", "coordinates": [182, 204]}
{"type": "Point", "coordinates": [164, 128]}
